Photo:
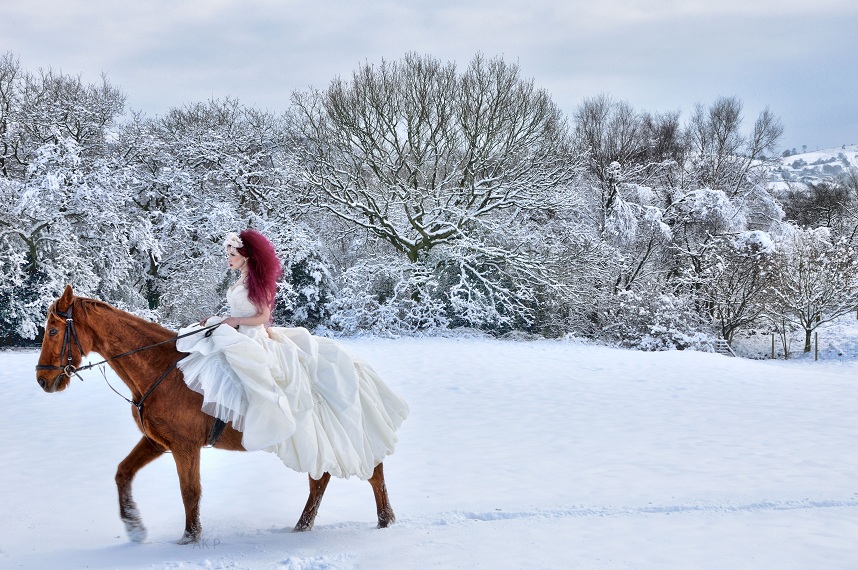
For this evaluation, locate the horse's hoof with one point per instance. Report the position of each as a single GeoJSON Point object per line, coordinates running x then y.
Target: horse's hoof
{"type": "Point", "coordinates": [189, 538]}
{"type": "Point", "coordinates": [302, 527]}
{"type": "Point", "coordinates": [386, 519]}
{"type": "Point", "coordinates": [135, 530]}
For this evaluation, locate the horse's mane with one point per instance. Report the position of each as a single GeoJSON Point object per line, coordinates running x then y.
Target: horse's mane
{"type": "Point", "coordinates": [140, 324]}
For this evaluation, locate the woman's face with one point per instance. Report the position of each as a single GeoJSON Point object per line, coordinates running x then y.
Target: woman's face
{"type": "Point", "coordinates": [236, 260]}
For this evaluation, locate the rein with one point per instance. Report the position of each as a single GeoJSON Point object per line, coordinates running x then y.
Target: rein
{"type": "Point", "coordinates": [70, 334]}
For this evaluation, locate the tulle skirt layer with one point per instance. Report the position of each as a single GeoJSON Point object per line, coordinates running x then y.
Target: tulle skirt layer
{"type": "Point", "coordinates": [302, 397]}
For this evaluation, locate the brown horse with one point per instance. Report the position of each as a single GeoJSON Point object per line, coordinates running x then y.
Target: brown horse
{"type": "Point", "coordinates": [172, 419]}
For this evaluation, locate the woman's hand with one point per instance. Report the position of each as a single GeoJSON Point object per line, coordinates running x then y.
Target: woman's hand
{"type": "Point", "coordinates": [231, 321]}
{"type": "Point", "coordinates": [203, 322]}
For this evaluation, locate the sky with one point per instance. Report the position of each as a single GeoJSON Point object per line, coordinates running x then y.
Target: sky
{"type": "Point", "coordinates": [796, 57]}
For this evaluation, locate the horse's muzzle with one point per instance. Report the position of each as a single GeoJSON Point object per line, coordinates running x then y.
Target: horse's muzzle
{"type": "Point", "coordinates": [58, 384]}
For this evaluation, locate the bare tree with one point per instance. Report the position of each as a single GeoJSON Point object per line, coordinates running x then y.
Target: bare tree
{"type": "Point", "coordinates": [832, 204]}
{"type": "Point", "coordinates": [611, 131]}
{"type": "Point", "coordinates": [822, 205]}
{"type": "Point", "coordinates": [723, 157]}
{"type": "Point", "coordinates": [415, 152]}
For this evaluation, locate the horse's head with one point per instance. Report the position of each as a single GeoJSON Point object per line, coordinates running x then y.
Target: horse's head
{"type": "Point", "coordinates": [61, 347]}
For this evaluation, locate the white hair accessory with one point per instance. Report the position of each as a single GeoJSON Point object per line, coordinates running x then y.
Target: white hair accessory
{"type": "Point", "coordinates": [232, 240]}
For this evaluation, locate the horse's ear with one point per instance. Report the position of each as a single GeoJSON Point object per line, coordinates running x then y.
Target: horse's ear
{"type": "Point", "coordinates": [65, 299]}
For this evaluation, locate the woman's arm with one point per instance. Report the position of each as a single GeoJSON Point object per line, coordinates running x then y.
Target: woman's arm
{"type": "Point", "coordinates": [258, 319]}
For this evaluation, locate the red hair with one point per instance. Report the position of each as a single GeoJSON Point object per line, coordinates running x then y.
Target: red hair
{"type": "Point", "coordinates": [264, 269]}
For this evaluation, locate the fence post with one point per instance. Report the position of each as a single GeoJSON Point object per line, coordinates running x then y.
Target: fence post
{"type": "Point", "coordinates": [773, 346]}
{"type": "Point", "coordinates": [816, 345]}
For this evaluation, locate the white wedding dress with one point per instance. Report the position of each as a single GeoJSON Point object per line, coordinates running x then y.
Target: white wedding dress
{"type": "Point", "coordinates": [300, 396]}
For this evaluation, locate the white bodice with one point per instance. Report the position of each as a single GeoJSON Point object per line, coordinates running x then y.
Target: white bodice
{"type": "Point", "coordinates": [241, 306]}
{"type": "Point", "coordinates": [239, 303]}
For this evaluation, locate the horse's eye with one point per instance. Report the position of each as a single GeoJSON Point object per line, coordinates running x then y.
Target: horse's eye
{"type": "Point", "coordinates": [52, 332]}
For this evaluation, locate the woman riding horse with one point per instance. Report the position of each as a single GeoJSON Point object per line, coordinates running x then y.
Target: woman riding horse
{"type": "Point", "coordinates": [304, 398]}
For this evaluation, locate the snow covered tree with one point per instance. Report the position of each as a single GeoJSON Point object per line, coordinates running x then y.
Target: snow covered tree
{"type": "Point", "coordinates": [411, 196]}
{"type": "Point", "coordinates": [624, 147]}
{"type": "Point", "coordinates": [415, 152]}
{"type": "Point", "coordinates": [196, 173]}
{"type": "Point", "coordinates": [426, 158]}
{"type": "Point", "coordinates": [654, 319]}
{"type": "Point", "coordinates": [632, 157]}
{"type": "Point", "coordinates": [723, 158]}
{"type": "Point", "coordinates": [64, 224]}
{"type": "Point", "coordinates": [816, 281]}
{"type": "Point", "coordinates": [47, 107]}
{"type": "Point", "coordinates": [720, 188]}
{"type": "Point", "coordinates": [665, 198]}
{"type": "Point", "coordinates": [736, 271]}
{"type": "Point", "coordinates": [310, 285]}
{"type": "Point", "coordinates": [387, 296]}
{"type": "Point", "coordinates": [59, 192]}
{"type": "Point", "coordinates": [10, 71]}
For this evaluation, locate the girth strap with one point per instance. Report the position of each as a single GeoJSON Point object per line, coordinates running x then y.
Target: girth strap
{"type": "Point", "coordinates": [139, 405]}
{"type": "Point", "coordinates": [217, 429]}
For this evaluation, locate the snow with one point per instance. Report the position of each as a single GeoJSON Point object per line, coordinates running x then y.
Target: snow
{"type": "Point", "coordinates": [517, 454]}
{"type": "Point", "coordinates": [756, 240]}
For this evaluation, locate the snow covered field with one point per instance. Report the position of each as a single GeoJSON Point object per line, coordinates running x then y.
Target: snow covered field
{"type": "Point", "coordinates": [541, 454]}
{"type": "Point", "coordinates": [815, 166]}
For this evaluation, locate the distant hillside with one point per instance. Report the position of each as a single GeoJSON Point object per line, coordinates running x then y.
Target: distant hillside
{"type": "Point", "coordinates": [816, 166]}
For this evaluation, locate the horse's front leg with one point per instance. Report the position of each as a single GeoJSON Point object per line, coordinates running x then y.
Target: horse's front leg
{"type": "Point", "coordinates": [188, 465]}
{"type": "Point", "coordinates": [142, 454]}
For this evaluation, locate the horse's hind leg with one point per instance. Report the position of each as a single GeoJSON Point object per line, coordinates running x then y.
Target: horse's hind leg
{"type": "Point", "coordinates": [142, 454]}
{"type": "Point", "coordinates": [382, 502]}
{"type": "Point", "coordinates": [317, 491]}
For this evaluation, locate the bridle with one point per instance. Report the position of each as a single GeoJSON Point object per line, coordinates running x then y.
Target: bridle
{"type": "Point", "coordinates": [70, 335]}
